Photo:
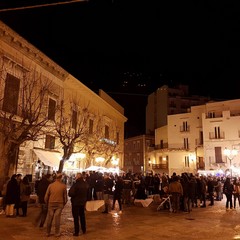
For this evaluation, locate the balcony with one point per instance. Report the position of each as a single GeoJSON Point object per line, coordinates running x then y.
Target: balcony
{"type": "Point", "coordinates": [160, 166]}
{"type": "Point", "coordinates": [161, 146]}
{"type": "Point", "coordinates": [214, 135]}
{"type": "Point", "coordinates": [185, 129]}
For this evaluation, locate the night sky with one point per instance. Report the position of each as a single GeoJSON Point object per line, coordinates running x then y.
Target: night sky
{"type": "Point", "coordinates": [104, 43]}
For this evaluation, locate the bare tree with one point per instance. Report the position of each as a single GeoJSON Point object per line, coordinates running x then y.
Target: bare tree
{"type": "Point", "coordinates": [23, 114]}
{"type": "Point", "coordinates": [101, 142]}
{"type": "Point", "coordinates": [72, 129]}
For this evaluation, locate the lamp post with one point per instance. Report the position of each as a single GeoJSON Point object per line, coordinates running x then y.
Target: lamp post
{"type": "Point", "coordinates": [231, 154]}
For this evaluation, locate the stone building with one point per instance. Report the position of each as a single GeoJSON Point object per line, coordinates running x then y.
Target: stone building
{"type": "Point", "coordinates": [26, 72]}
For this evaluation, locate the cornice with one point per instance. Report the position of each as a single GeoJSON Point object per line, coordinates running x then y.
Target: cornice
{"type": "Point", "coordinates": [16, 41]}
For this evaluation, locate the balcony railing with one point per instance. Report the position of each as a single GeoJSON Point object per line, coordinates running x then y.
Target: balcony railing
{"type": "Point", "coordinates": [160, 166]}
{"type": "Point", "coordinates": [161, 146]}
{"type": "Point", "coordinates": [184, 129]}
{"type": "Point", "coordinates": [213, 135]}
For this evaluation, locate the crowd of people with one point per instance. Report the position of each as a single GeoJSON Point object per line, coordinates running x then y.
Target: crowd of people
{"type": "Point", "coordinates": [186, 191]}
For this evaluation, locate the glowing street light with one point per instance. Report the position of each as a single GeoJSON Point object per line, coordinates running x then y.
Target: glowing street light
{"type": "Point", "coordinates": [115, 161]}
{"type": "Point", "coordinates": [231, 154]}
{"type": "Point", "coordinates": [100, 160]}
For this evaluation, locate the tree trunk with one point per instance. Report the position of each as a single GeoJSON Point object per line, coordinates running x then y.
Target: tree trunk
{"type": "Point", "coordinates": [61, 165]}
{"type": "Point", "coordinates": [9, 160]}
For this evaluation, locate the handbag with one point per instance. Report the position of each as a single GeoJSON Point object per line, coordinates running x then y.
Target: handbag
{"type": "Point", "coordinates": [9, 210]}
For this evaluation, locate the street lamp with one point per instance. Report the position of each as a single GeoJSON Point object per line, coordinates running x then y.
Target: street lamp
{"type": "Point", "coordinates": [231, 154]}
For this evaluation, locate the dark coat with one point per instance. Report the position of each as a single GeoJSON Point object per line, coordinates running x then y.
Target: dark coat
{"type": "Point", "coordinates": [42, 188]}
{"type": "Point", "coordinates": [118, 188]}
{"type": "Point", "coordinates": [79, 192]}
{"type": "Point", "coordinates": [99, 184]}
{"type": "Point", "coordinates": [12, 195]}
{"type": "Point", "coordinates": [228, 187]}
{"type": "Point", "coordinates": [108, 185]}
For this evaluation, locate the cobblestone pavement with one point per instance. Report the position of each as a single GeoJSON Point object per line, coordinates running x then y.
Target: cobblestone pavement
{"type": "Point", "coordinates": [136, 222]}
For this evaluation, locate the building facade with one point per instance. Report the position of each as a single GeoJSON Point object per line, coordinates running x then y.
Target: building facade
{"type": "Point", "coordinates": [205, 139]}
{"type": "Point", "coordinates": [166, 101]}
{"type": "Point", "coordinates": [32, 83]}
{"type": "Point", "coordinates": [135, 153]}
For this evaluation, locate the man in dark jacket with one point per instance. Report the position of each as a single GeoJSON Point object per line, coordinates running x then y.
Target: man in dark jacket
{"type": "Point", "coordinates": [107, 191]}
{"type": "Point", "coordinates": [41, 190]}
{"type": "Point", "coordinates": [79, 193]}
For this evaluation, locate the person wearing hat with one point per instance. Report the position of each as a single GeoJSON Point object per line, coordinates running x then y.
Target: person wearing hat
{"type": "Point", "coordinates": [55, 198]}
{"type": "Point", "coordinates": [79, 194]}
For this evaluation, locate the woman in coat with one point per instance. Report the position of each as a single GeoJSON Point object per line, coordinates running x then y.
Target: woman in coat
{"type": "Point", "coordinates": [24, 195]}
{"type": "Point", "coordinates": [11, 195]}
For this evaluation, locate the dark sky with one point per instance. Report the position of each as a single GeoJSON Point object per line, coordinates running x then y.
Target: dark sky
{"type": "Point", "coordinates": [103, 42]}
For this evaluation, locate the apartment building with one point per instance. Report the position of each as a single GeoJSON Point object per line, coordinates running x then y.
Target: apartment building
{"type": "Point", "coordinates": [135, 153]}
{"type": "Point", "coordinates": [207, 138]}
{"type": "Point", "coordinates": [35, 94]}
{"type": "Point", "coordinates": [166, 101]}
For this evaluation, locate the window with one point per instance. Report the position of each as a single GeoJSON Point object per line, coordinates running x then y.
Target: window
{"type": "Point", "coordinates": [50, 142]}
{"type": "Point", "coordinates": [218, 155]}
{"type": "Point", "coordinates": [90, 126]}
{"type": "Point", "coordinates": [217, 132]}
{"type": "Point", "coordinates": [117, 138]}
{"type": "Point", "coordinates": [186, 146]}
{"type": "Point", "coordinates": [11, 94]}
{"type": "Point", "coordinates": [211, 114]}
{"type": "Point", "coordinates": [185, 126]}
{"type": "Point", "coordinates": [74, 119]}
{"type": "Point", "coordinates": [186, 161]}
{"type": "Point", "coordinates": [106, 131]}
{"type": "Point", "coordinates": [51, 109]}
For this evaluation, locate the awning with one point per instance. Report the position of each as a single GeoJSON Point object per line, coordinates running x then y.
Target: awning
{"type": "Point", "coordinates": [51, 159]}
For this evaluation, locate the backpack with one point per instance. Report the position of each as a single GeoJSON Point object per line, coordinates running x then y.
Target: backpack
{"type": "Point", "coordinates": [28, 190]}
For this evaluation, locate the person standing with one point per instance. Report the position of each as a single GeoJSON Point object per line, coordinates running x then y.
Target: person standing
{"type": "Point", "coordinates": [99, 186]}
{"type": "Point", "coordinates": [176, 190]}
{"type": "Point", "coordinates": [117, 193]}
{"type": "Point", "coordinates": [210, 189]}
{"type": "Point", "coordinates": [203, 191]}
{"type": "Point", "coordinates": [41, 191]}
{"type": "Point", "coordinates": [228, 191]}
{"type": "Point", "coordinates": [11, 196]}
{"type": "Point", "coordinates": [25, 191]}
{"type": "Point", "coordinates": [56, 199]}
{"type": "Point", "coordinates": [107, 190]}
{"type": "Point", "coordinates": [18, 201]}
{"type": "Point", "coordinates": [236, 192]}
{"type": "Point", "coordinates": [79, 195]}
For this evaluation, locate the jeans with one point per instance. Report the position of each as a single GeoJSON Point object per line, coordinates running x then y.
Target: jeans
{"type": "Point", "coordinates": [54, 211]}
